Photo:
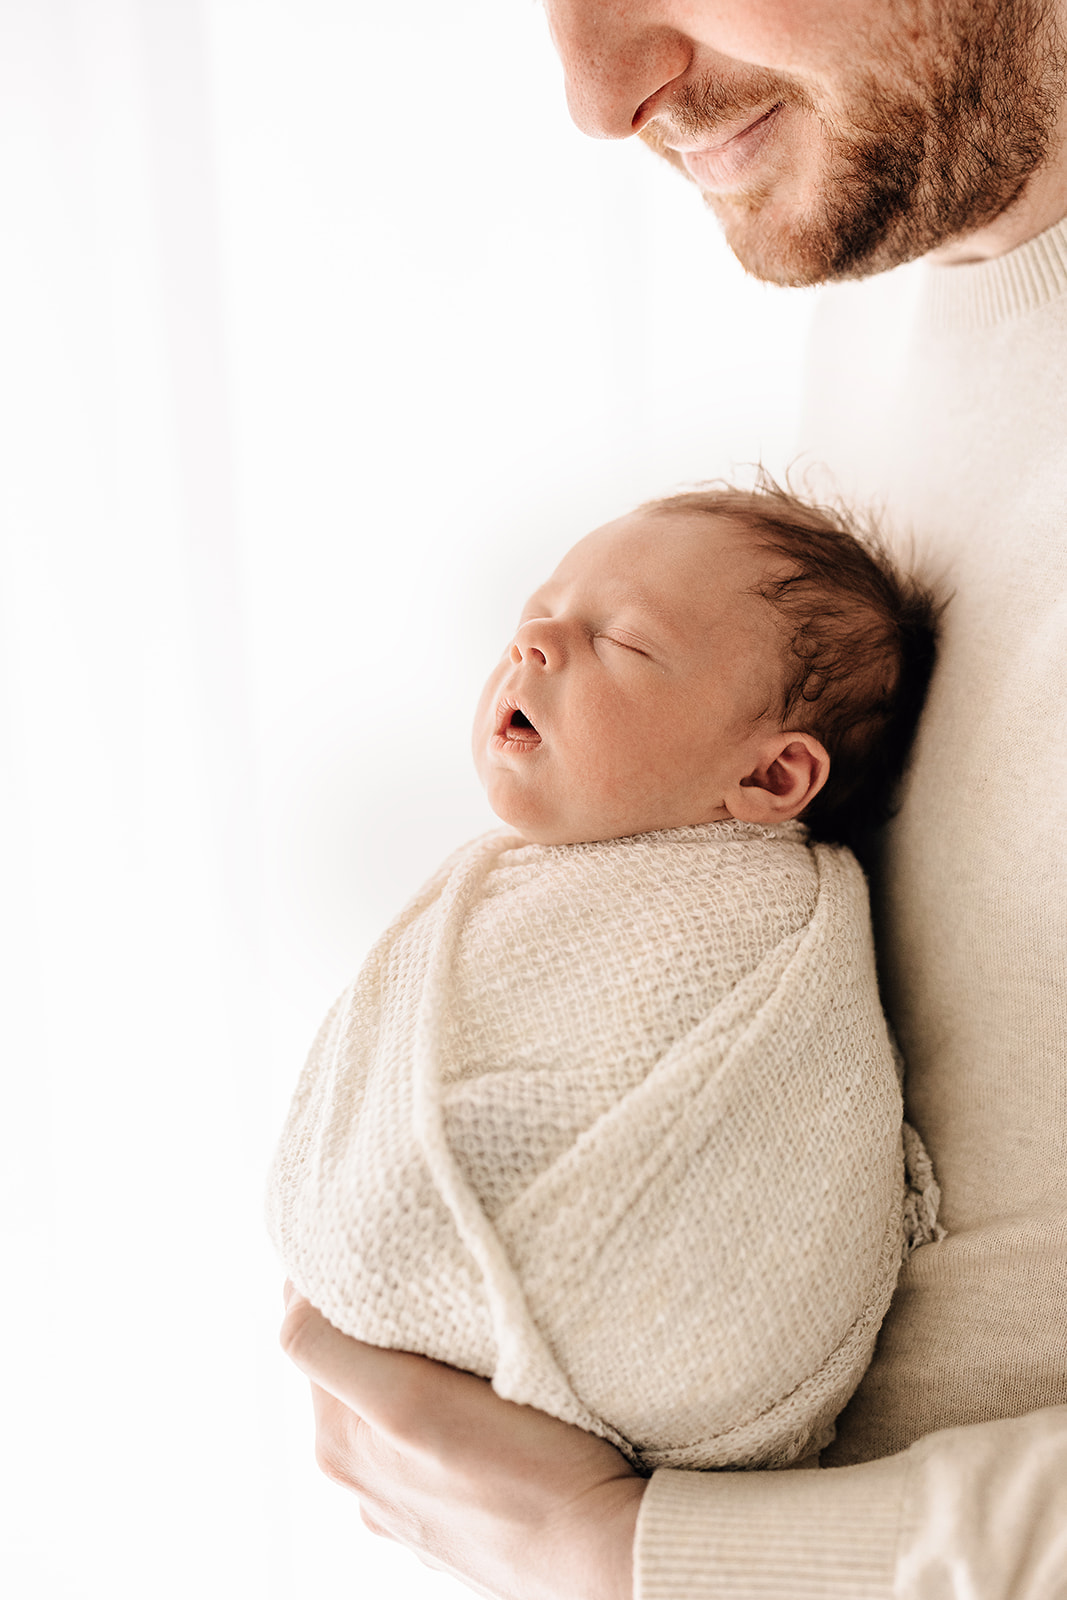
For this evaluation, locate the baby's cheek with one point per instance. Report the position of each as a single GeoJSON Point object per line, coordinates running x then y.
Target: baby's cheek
{"type": "Point", "coordinates": [599, 737]}
{"type": "Point", "coordinates": [617, 764]}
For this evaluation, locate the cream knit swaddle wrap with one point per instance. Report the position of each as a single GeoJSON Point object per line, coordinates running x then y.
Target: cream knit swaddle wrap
{"type": "Point", "coordinates": [618, 1126]}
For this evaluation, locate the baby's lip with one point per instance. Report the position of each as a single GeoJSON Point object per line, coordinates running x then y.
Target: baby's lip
{"type": "Point", "coordinates": [514, 724]}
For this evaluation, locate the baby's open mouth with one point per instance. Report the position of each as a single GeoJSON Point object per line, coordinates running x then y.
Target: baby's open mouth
{"type": "Point", "coordinates": [516, 728]}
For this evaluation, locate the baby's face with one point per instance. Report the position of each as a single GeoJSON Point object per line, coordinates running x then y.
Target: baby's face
{"type": "Point", "coordinates": [638, 686]}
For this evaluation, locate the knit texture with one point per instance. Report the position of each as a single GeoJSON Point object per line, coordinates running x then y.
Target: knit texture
{"type": "Point", "coordinates": [617, 1125]}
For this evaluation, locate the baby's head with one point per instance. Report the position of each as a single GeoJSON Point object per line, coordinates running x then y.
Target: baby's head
{"type": "Point", "coordinates": [723, 653]}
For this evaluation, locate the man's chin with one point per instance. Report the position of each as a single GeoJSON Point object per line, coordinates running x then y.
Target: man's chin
{"type": "Point", "coordinates": [796, 243]}
{"type": "Point", "coordinates": [763, 233]}
{"type": "Point", "coordinates": [774, 246]}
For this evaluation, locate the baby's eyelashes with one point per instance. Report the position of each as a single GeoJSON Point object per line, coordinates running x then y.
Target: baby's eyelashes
{"type": "Point", "coordinates": [626, 641]}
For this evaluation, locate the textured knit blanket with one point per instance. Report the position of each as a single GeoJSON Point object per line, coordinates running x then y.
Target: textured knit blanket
{"type": "Point", "coordinates": [618, 1126]}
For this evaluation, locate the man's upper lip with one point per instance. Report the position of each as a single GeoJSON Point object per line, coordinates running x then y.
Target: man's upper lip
{"type": "Point", "coordinates": [721, 138]}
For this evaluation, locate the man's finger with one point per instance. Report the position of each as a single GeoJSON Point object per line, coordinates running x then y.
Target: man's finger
{"type": "Point", "coordinates": [387, 1388]}
{"type": "Point", "coordinates": [339, 1438]}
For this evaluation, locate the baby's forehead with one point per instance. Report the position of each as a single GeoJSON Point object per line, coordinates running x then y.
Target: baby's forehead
{"type": "Point", "coordinates": [678, 562]}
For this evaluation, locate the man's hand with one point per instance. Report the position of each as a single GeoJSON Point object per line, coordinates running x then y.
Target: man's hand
{"type": "Point", "coordinates": [516, 1504]}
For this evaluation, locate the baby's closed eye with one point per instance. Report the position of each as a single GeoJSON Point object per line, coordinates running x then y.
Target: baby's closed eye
{"type": "Point", "coordinates": [625, 641]}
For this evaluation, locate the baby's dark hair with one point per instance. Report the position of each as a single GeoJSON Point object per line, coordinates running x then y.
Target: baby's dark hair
{"type": "Point", "coordinates": [861, 638]}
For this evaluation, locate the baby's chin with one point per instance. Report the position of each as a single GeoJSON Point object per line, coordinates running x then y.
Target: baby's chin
{"type": "Point", "coordinates": [547, 830]}
{"type": "Point", "coordinates": [557, 831]}
{"type": "Point", "coordinates": [573, 830]}
{"type": "Point", "coordinates": [546, 834]}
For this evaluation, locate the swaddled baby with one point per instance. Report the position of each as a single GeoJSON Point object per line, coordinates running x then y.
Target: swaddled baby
{"type": "Point", "coordinates": [611, 1114]}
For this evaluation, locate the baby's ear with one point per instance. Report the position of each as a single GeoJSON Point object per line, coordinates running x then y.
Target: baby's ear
{"type": "Point", "coordinates": [790, 771]}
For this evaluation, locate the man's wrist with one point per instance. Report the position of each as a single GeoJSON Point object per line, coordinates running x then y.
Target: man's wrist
{"type": "Point", "coordinates": [608, 1541]}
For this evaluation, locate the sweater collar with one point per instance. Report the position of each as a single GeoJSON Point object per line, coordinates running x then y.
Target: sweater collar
{"type": "Point", "coordinates": [983, 294]}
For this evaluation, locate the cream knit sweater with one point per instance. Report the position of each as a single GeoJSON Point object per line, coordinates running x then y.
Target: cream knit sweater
{"type": "Point", "coordinates": [941, 392]}
{"type": "Point", "coordinates": [618, 1125]}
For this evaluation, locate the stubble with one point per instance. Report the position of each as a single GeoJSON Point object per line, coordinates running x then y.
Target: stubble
{"type": "Point", "coordinates": [937, 140]}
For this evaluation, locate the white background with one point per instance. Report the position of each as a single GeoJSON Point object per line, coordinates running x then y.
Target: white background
{"type": "Point", "coordinates": [322, 334]}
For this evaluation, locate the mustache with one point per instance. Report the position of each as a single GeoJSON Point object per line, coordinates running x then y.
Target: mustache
{"type": "Point", "coordinates": [696, 111]}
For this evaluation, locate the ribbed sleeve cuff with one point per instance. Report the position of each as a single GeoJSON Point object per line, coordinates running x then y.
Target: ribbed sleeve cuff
{"type": "Point", "coordinates": [830, 1534]}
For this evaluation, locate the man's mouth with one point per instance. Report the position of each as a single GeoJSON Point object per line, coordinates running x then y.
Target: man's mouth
{"type": "Point", "coordinates": [725, 163]}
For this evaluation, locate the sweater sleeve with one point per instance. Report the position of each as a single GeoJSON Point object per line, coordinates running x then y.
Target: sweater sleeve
{"type": "Point", "coordinates": [974, 1513]}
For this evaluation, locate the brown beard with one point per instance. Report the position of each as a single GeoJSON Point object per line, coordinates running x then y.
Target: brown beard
{"type": "Point", "coordinates": [937, 144]}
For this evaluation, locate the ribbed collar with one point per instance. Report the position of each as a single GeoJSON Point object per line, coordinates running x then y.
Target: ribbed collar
{"type": "Point", "coordinates": [985, 293]}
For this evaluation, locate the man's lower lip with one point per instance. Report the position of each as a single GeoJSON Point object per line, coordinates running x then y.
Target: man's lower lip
{"type": "Point", "coordinates": [717, 171]}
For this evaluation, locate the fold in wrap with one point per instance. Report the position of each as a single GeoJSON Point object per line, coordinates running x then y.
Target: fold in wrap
{"type": "Point", "coordinates": [618, 1126]}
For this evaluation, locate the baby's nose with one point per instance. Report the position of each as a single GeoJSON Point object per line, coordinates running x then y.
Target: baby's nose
{"type": "Point", "coordinates": [523, 650]}
{"type": "Point", "coordinates": [538, 641]}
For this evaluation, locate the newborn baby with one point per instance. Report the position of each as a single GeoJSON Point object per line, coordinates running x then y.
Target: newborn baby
{"type": "Point", "coordinates": [611, 1115]}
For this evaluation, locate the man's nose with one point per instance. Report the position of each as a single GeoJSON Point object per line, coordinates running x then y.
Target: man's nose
{"type": "Point", "coordinates": [617, 55]}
